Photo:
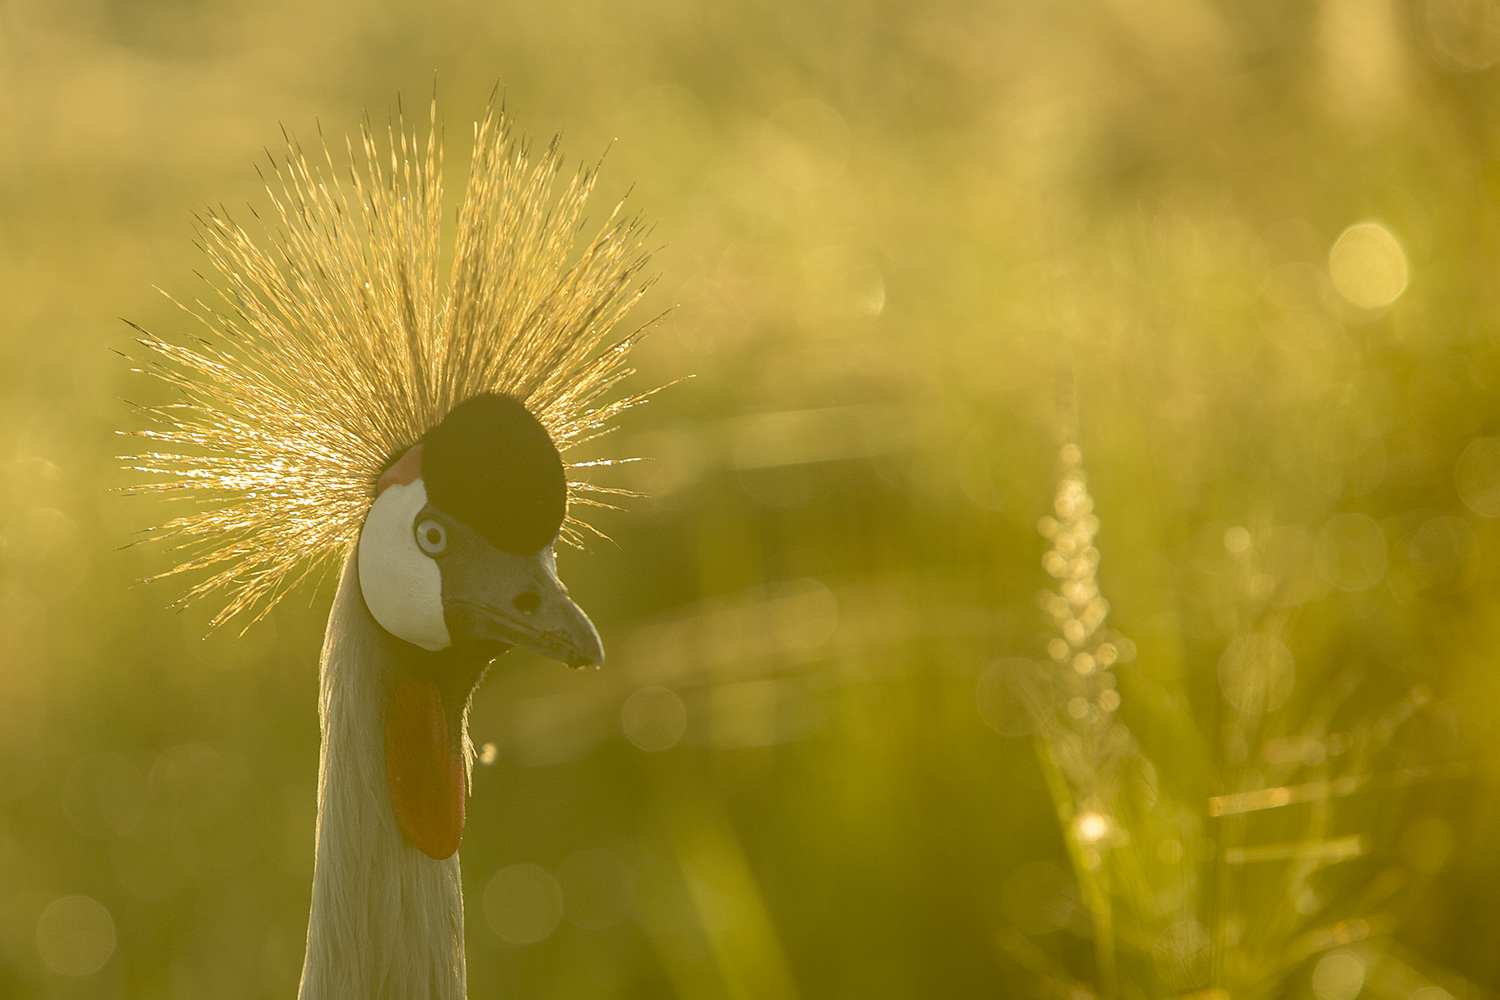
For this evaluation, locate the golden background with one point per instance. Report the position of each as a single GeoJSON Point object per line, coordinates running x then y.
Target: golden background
{"type": "Point", "coordinates": [1221, 273]}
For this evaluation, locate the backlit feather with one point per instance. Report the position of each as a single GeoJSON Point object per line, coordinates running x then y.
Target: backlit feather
{"type": "Point", "coordinates": [338, 341]}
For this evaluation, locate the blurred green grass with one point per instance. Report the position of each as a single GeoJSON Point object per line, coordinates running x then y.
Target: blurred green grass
{"type": "Point", "coordinates": [895, 237]}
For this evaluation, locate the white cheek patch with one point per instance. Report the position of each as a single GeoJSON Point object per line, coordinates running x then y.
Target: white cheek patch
{"type": "Point", "coordinates": [402, 586]}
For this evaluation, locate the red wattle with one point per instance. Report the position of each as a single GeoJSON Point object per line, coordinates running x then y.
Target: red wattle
{"type": "Point", "coordinates": [424, 768]}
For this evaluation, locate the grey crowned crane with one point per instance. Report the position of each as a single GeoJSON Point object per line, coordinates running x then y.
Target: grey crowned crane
{"type": "Point", "coordinates": [349, 405]}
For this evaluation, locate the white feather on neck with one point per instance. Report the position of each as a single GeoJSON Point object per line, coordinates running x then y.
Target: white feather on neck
{"type": "Point", "coordinates": [387, 921]}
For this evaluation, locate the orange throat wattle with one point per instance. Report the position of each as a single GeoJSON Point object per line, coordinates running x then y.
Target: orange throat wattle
{"type": "Point", "coordinates": [424, 766]}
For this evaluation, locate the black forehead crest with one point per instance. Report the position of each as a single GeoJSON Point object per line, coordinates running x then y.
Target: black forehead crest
{"type": "Point", "coordinates": [492, 465]}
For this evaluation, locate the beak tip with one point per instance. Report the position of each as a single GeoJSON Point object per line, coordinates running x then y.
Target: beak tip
{"type": "Point", "coordinates": [588, 655]}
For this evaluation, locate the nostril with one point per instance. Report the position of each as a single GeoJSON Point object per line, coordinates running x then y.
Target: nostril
{"type": "Point", "coordinates": [528, 602]}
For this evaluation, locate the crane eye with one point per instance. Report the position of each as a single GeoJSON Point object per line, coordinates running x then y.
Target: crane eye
{"type": "Point", "coordinates": [432, 537]}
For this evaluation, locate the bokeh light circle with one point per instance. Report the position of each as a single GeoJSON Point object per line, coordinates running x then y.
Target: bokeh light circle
{"type": "Point", "coordinates": [1090, 827]}
{"type": "Point", "coordinates": [1339, 975]}
{"type": "Point", "coordinates": [75, 935]}
{"type": "Point", "coordinates": [1256, 673]}
{"type": "Point", "coordinates": [523, 903]}
{"type": "Point", "coordinates": [1368, 266]}
{"type": "Point", "coordinates": [1237, 540]}
{"type": "Point", "coordinates": [1440, 550]}
{"type": "Point", "coordinates": [654, 718]}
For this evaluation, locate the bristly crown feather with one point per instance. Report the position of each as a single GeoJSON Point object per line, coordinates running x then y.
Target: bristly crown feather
{"type": "Point", "coordinates": [341, 344]}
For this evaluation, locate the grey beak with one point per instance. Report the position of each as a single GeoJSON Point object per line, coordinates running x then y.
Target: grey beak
{"type": "Point", "coordinates": [518, 600]}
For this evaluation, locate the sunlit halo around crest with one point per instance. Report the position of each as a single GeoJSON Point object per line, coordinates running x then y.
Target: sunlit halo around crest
{"type": "Point", "coordinates": [336, 342]}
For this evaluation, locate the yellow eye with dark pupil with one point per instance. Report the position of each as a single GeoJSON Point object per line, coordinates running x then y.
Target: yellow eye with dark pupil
{"type": "Point", "coordinates": [432, 537]}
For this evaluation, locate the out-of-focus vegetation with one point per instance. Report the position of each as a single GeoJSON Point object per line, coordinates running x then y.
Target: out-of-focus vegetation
{"type": "Point", "coordinates": [1204, 290]}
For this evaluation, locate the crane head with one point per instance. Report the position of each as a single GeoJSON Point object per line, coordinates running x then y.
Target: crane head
{"type": "Point", "coordinates": [456, 561]}
{"type": "Point", "coordinates": [458, 545]}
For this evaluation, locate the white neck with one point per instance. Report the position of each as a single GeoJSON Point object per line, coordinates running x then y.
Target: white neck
{"type": "Point", "coordinates": [387, 921]}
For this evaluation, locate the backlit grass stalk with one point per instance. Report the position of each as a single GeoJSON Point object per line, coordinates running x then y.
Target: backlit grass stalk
{"type": "Point", "coordinates": [1080, 744]}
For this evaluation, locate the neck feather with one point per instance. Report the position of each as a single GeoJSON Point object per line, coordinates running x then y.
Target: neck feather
{"type": "Point", "coordinates": [387, 921]}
